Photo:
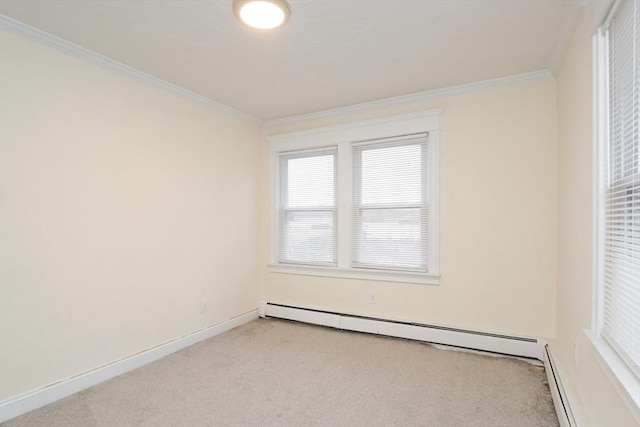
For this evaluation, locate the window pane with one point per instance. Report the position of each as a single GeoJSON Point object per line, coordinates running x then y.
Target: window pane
{"type": "Point", "coordinates": [309, 237]}
{"type": "Point", "coordinates": [310, 181]}
{"type": "Point", "coordinates": [622, 271]}
{"type": "Point", "coordinates": [624, 147]}
{"type": "Point", "coordinates": [391, 238]}
{"type": "Point", "coordinates": [391, 175]}
{"type": "Point", "coordinates": [307, 228]}
{"type": "Point", "coordinates": [389, 204]}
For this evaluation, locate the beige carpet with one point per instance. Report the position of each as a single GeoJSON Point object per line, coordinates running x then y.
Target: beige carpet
{"type": "Point", "coordinates": [279, 373]}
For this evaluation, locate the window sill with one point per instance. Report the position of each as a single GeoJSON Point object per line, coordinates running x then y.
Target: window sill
{"type": "Point", "coordinates": [625, 378]}
{"type": "Point", "coordinates": [352, 273]}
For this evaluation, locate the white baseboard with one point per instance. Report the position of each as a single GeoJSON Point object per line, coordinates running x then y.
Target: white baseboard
{"type": "Point", "coordinates": [496, 343]}
{"type": "Point", "coordinates": [558, 392]}
{"type": "Point", "coordinates": [13, 407]}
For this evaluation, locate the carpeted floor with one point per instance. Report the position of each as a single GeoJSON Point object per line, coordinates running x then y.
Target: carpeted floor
{"type": "Point", "coordinates": [278, 373]}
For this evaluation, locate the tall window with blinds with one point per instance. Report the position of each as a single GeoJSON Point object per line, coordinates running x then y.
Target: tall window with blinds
{"type": "Point", "coordinates": [621, 249]}
{"type": "Point", "coordinates": [389, 211]}
{"type": "Point", "coordinates": [308, 207]}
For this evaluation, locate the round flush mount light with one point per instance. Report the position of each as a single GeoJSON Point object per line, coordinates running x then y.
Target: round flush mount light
{"type": "Point", "coordinates": [262, 14]}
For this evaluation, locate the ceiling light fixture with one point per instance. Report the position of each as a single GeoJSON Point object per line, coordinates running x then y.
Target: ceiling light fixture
{"type": "Point", "coordinates": [262, 14]}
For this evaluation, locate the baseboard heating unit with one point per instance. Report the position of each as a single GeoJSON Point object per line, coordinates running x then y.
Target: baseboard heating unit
{"type": "Point", "coordinates": [558, 393]}
{"type": "Point", "coordinates": [495, 343]}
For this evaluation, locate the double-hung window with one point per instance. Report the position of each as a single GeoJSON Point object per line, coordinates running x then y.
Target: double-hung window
{"type": "Point", "coordinates": [358, 200]}
{"type": "Point", "coordinates": [390, 204]}
{"type": "Point", "coordinates": [618, 48]}
{"type": "Point", "coordinates": [308, 207]}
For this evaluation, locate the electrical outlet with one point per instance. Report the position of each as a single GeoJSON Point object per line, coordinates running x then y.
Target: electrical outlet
{"type": "Point", "coordinates": [204, 306]}
{"type": "Point", "coordinates": [372, 298]}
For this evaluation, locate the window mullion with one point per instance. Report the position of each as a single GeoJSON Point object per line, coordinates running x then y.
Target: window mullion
{"type": "Point", "coordinates": [432, 202]}
{"type": "Point", "coordinates": [343, 199]}
{"type": "Point", "coordinates": [295, 217]}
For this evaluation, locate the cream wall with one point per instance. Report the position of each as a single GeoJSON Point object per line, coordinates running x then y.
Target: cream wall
{"type": "Point", "coordinates": [600, 401]}
{"type": "Point", "coordinates": [122, 207]}
{"type": "Point", "coordinates": [498, 213]}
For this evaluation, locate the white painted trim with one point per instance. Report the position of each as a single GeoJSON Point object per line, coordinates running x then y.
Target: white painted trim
{"type": "Point", "coordinates": [616, 368]}
{"type": "Point", "coordinates": [344, 136]}
{"type": "Point", "coordinates": [262, 308]}
{"type": "Point", "coordinates": [31, 33]}
{"type": "Point", "coordinates": [570, 20]}
{"type": "Point", "coordinates": [558, 392]}
{"type": "Point", "coordinates": [13, 407]}
{"type": "Point", "coordinates": [415, 98]}
{"type": "Point", "coordinates": [16, 27]}
{"type": "Point", "coordinates": [601, 9]}
{"type": "Point", "coordinates": [600, 135]}
{"type": "Point", "coordinates": [354, 273]}
{"type": "Point", "coordinates": [496, 343]}
{"type": "Point", "coordinates": [434, 203]}
{"type": "Point", "coordinates": [345, 201]}
{"type": "Point", "coordinates": [362, 130]}
{"type": "Point", "coordinates": [611, 14]}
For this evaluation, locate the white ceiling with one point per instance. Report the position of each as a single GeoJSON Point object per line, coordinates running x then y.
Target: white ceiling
{"type": "Point", "coordinates": [332, 53]}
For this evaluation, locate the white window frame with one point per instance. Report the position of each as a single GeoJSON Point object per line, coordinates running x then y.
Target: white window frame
{"type": "Point", "coordinates": [342, 137]}
{"type": "Point", "coordinates": [626, 379]}
{"type": "Point", "coordinates": [358, 207]}
{"type": "Point", "coordinates": [284, 209]}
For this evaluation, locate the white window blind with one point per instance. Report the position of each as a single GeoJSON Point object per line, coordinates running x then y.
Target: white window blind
{"type": "Point", "coordinates": [621, 270]}
{"type": "Point", "coordinates": [358, 200]}
{"type": "Point", "coordinates": [390, 194]}
{"type": "Point", "coordinates": [308, 207]}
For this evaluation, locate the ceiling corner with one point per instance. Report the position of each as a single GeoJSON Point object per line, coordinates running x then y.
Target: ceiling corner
{"type": "Point", "coordinates": [570, 19]}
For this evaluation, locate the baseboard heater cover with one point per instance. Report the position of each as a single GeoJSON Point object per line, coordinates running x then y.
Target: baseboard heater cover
{"type": "Point", "coordinates": [558, 393]}
{"type": "Point", "coordinates": [503, 344]}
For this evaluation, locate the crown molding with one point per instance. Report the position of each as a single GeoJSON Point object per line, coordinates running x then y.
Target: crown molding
{"type": "Point", "coordinates": [514, 80]}
{"type": "Point", "coordinates": [26, 31]}
{"type": "Point", "coordinates": [416, 122]}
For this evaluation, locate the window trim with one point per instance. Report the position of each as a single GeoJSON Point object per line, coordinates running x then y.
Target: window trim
{"type": "Point", "coordinates": [343, 136]}
{"type": "Point", "coordinates": [357, 150]}
{"type": "Point", "coordinates": [283, 209]}
{"type": "Point", "coordinates": [615, 365]}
